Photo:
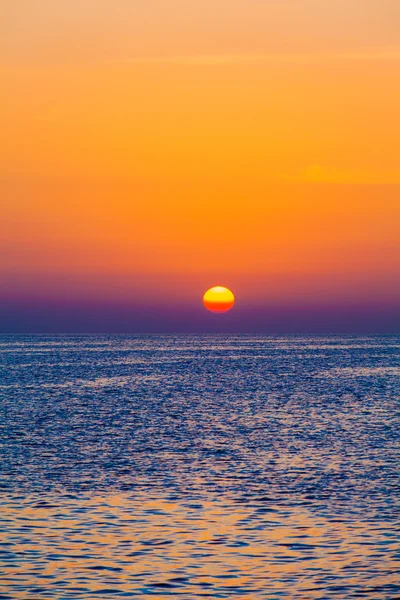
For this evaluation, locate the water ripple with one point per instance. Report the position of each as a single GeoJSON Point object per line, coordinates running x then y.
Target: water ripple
{"type": "Point", "coordinates": [191, 466]}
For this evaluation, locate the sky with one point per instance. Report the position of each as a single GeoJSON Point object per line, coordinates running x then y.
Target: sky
{"type": "Point", "coordinates": [152, 150]}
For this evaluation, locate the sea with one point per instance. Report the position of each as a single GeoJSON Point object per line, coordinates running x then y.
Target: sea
{"type": "Point", "coordinates": [207, 466]}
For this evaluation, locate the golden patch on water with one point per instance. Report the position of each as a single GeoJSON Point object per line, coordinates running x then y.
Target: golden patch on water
{"type": "Point", "coordinates": [136, 544]}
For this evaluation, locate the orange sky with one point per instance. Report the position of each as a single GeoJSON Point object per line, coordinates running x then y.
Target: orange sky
{"type": "Point", "coordinates": [163, 145]}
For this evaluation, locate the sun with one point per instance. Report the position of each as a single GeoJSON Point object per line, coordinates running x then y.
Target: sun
{"type": "Point", "coordinates": [218, 299]}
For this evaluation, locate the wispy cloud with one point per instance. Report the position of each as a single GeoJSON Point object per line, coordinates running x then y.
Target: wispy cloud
{"type": "Point", "coordinates": [300, 58]}
{"type": "Point", "coordinates": [329, 174]}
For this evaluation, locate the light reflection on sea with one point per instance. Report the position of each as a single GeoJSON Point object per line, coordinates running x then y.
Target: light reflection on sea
{"type": "Point", "coordinates": [199, 466]}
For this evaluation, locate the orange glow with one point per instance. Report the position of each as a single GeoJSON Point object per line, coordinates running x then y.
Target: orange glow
{"type": "Point", "coordinates": [160, 145]}
{"type": "Point", "coordinates": [218, 299]}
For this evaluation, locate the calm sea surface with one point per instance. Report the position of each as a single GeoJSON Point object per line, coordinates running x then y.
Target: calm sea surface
{"type": "Point", "coordinates": [199, 466]}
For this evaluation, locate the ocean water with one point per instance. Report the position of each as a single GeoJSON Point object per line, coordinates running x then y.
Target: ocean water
{"type": "Point", "coordinates": [199, 466]}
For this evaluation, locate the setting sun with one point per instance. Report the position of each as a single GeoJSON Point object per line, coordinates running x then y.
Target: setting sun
{"type": "Point", "coordinates": [218, 299]}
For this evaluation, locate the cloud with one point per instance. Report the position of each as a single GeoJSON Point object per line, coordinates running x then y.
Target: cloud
{"type": "Point", "coordinates": [328, 174]}
{"type": "Point", "coordinates": [296, 58]}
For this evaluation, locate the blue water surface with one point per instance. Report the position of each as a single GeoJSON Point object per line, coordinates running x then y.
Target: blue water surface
{"type": "Point", "coordinates": [199, 466]}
